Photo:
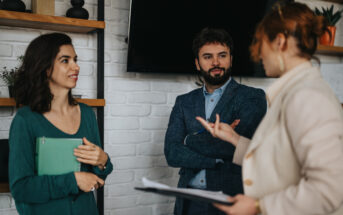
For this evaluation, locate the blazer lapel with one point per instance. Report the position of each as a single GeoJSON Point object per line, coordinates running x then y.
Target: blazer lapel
{"type": "Point", "coordinates": [199, 103]}
{"type": "Point", "coordinates": [226, 98]}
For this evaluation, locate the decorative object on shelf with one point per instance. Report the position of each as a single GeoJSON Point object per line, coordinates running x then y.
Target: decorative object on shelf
{"type": "Point", "coordinates": [13, 5]}
{"type": "Point", "coordinates": [77, 11]}
{"type": "Point", "coordinates": [328, 38]}
{"type": "Point", "coordinates": [8, 77]}
{"type": "Point", "coordinates": [46, 7]}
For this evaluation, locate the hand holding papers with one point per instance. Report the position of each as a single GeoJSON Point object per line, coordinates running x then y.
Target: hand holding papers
{"type": "Point", "coordinates": [188, 193]}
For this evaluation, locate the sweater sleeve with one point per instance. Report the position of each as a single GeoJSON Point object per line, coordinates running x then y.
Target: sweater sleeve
{"type": "Point", "coordinates": [95, 131]}
{"type": "Point", "coordinates": [24, 184]}
{"type": "Point", "coordinates": [315, 127]}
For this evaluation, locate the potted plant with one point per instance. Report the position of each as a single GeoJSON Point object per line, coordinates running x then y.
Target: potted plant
{"type": "Point", "coordinates": [332, 18]}
{"type": "Point", "coordinates": [8, 77]}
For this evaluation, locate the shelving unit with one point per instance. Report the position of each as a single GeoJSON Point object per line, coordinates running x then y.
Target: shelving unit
{"type": "Point", "coordinates": [330, 50]}
{"type": "Point", "coordinates": [71, 25]}
{"type": "Point", "coordinates": [336, 1]}
{"type": "Point", "coordinates": [9, 102]}
{"type": "Point", "coordinates": [55, 23]}
{"type": "Point", "coordinates": [4, 188]}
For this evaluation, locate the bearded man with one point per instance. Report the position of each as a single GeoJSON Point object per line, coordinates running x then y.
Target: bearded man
{"type": "Point", "coordinates": [205, 162]}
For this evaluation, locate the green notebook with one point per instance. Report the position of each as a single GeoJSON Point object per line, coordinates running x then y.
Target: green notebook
{"type": "Point", "coordinates": [55, 156]}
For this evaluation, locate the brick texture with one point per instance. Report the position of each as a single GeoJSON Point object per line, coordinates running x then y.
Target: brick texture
{"type": "Point", "coordinates": [138, 106]}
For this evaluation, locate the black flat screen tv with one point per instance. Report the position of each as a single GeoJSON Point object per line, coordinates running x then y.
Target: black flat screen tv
{"type": "Point", "coordinates": [161, 33]}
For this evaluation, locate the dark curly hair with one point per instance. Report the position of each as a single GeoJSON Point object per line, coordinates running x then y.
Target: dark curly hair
{"type": "Point", "coordinates": [211, 35]}
{"type": "Point", "coordinates": [32, 80]}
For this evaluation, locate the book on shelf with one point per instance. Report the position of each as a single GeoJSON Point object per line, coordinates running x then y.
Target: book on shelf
{"type": "Point", "coordinates": [55, 156]}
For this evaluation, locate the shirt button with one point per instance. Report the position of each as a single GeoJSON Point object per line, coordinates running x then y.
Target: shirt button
{"type": "Point", "coordinates": [202, 181]}
{"type": "Point", "coordinates": [249, 155]}
{"type": "Point", "coordinates": [211, 100]}
{"type": "Point", "coordinates": [248, 182]}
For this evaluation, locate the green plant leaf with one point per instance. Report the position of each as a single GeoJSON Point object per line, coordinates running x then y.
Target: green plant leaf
{"type": "Point", "coordinates": [331, 17]}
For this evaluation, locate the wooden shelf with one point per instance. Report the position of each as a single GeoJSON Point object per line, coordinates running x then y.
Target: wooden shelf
{"type": "Point", "coordinates": [330, 50]}
{"type": "Point", "coordinates": [55, 23]}
{"type": "Point", "coordinates": [4, 188]}
{"type": "Point", "coordinates": [336, 1]}
{"type": "Point", "coordinates": [9, 102]}
{"type": "Point", "coordinates": [93, 102]}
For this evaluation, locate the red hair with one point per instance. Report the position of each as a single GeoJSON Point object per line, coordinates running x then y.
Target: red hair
{"type": "Point", "coordinates": [293, 19]}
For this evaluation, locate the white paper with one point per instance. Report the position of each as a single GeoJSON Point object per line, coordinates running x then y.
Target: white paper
{"type": "Point", "coordinates": [152, 184]}
{"type": "Point", "coordinates": [219, 196]}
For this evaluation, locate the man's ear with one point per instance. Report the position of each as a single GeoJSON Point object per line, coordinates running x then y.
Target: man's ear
{"type": "Point", "coordinates": [197, 64]}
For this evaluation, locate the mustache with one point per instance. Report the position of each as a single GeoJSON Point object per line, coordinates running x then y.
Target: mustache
{"type": "Point", "coordinates": [221, 68]}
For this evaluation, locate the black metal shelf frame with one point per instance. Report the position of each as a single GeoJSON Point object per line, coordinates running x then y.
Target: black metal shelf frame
{"type": "Point", "coordinates": [100, 90]}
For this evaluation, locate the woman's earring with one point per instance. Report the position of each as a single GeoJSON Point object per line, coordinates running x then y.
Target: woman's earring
{"type": "Point", "coordinates": [281, 64]}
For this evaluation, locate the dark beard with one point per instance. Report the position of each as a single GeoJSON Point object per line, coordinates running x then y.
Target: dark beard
{"type": "Point", "coordinates": [215, 80]}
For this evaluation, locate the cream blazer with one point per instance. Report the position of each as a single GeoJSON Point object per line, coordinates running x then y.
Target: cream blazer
{"type": "Point", "coordinates": [294, 163]}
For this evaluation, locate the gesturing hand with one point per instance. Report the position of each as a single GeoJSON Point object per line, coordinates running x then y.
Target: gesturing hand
{"type": "Point", "coordinates": [87, 181]}
{"type": "Point", "coordinates": [221, 130]}
{"type": "Point", "coordinates": [90, 153]}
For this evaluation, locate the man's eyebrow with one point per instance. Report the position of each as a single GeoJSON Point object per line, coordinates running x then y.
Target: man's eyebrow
{"type": "Point", "coordinates": [220, 53]}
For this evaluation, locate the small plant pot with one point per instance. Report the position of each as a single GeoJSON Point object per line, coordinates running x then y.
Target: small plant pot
{"type": "Point", "coordinates": [327, 39]}
{"type": "Point", "coordinates": [11, 91]}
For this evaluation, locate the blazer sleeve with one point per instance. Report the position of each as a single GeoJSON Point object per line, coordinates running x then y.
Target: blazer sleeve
{"type": "Point", "coordinates": [25, 186]}
{"type": "Point", "coordinates": [241, 149]}
{"type": "Point", "coordinates": [177, 154]}
{"type": "Point", "coordinates": [249, 110]}
{"type": "Point", "coordinates": [315, 127]}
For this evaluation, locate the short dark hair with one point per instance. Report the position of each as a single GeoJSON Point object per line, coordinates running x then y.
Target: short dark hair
{"type": "Point", "coordinates": [211, 35]}
{"type": "Point", "coordinates": [32, 80]}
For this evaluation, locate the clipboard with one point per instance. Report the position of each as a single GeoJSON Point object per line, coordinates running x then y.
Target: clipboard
{"type": "Point", "coordinates": [55, 156]}
{"type": "Point", "coordinates": [187, 193]}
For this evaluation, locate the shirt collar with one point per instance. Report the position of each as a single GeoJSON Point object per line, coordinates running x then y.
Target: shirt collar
{"type": "Point", "coordinates": [219, 90]}
{"type": "Point", "coordinates": [275, 89]}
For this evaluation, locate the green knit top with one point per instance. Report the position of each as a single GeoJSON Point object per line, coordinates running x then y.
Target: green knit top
{"type": "Point", "coordinates": [49, 194]}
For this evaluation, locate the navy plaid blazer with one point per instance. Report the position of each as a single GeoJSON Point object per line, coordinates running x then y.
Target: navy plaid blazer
{"type": "Point", "coordinates": [201, 151]}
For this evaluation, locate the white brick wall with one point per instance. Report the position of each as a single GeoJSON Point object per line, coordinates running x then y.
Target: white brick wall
{"type": "Point", "coordinates": [137, 106]}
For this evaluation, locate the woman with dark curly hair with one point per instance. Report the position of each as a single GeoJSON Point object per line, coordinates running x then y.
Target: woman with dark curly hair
{"type": "Point", "coordinates": [293, 165]}
{"type": "Point", "coordinates": [47, 109]}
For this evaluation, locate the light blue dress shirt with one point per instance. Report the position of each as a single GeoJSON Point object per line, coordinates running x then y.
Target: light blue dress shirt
{"type": "Point", "coordinates": [211, 100]}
